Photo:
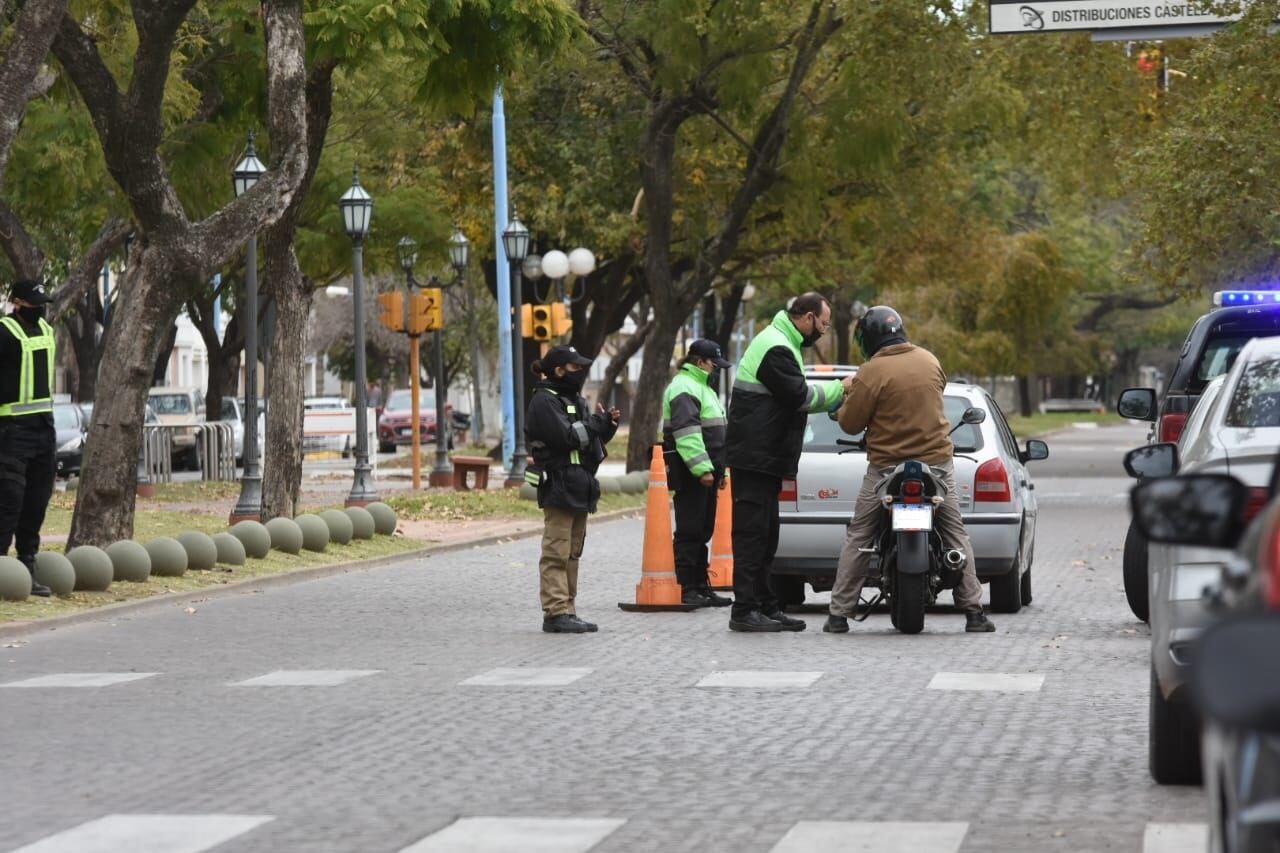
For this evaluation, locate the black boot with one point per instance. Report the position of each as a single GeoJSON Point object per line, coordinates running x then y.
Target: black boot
{"type": "Point", "coordinates": [754, 622]}
{"type": "Point", "coordinates": [565, 623]}
{"type": "Point", "coordinates": [787, 623]}
{"type": "Point", "coordinates": [836, 625]}
{"type": "Point", "coordinates": [978, 623]}
{"type": "Point", "coordinates": [37, 588]}
{"type": "Point", "coordinates": [590, 627]}
{"type": "Point", "coordinates": [714, 600]}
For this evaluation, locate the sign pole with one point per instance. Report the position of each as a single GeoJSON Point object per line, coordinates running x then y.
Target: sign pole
{"type": "Point", "coordinates": [413, 384]}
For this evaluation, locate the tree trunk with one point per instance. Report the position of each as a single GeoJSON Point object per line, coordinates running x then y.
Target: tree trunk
{"type": "Point", "coordinates": [842, 324]}
{"type": "Point", "coordinates": [224, 371]}
{"type": "Point", "coordinates": [105, 499]}
{"type": "Point", "coordinates": [1024, 396]}
{"type": "Point", "coordinates": [282, 477]}
{"type": "Point", "coordinates": [655, 373]}
{"type": "Point", "coordinates": [618, 363]}
{"type": "Point", "coordinates": [161, 365]}
{"type": "Point", "coordinates": [82, 331]}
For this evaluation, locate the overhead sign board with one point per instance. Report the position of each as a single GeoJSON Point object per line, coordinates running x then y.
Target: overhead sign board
{"type": "Point", "coordinates": [1010, 17]}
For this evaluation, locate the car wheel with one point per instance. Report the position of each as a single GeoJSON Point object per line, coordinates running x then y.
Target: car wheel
{"type": "Point", "coordinates": [789, 589]}
{"type": "Point", "coordinates": [1006, 591]}
{"type": "Point", "coordinates": [1174, 740]}
{"type": "Point", "coordinates": [1135, 573]}
{"type": "Point", "coordinates": [1026, 585]}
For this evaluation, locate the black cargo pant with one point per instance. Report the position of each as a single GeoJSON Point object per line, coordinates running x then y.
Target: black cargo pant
{"type": "Point", "coordinates": [695, 522]}
{"type": "Point", "coordinates": [27, 464]}
{"type": "Point", "coordinates": [755, 540]}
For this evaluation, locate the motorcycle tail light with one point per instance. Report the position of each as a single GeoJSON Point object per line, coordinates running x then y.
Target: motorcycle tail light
{"type": "Point", "coordinates": [912, 490]}
{"type": "Point", "coordinates": [1171, 426]}
{"type": "Point", "coordinates": [992, 482]}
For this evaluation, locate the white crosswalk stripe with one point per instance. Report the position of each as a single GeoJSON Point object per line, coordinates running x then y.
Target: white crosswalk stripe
{"type": "Point", "coordinates": [307, 678]}
{"type": "Point", "coordinates": [851, 836]}
{"type": "Point", "coordinates": [760, 679]}
{"type": "Point", "coordinates": [81, 679]}
{"type": "Point", "coordinates": [528, 676]}
{"type": "Point", "coordinates": [148, 833]}
{"type": "Point", "coordinates": [526, 834]}
{"type": "Point", "coordinates": [1175, 838]}
{"type": "Point", "coordinates": [1015, 682]}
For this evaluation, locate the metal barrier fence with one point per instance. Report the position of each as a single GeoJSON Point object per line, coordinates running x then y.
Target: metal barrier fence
{"type": "Point", "coordinates": [216, 448]}
{"type": "Point", "coordinates": [215, 445]}
{"type": "Point", "coordinates": [155, 463]}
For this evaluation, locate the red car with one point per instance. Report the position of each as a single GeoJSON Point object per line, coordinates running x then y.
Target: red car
{"type": "Point", "coordinates": [395, 424]}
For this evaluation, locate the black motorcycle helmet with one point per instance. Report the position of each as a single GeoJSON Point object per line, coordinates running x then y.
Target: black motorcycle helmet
{"type": "Point", "coordinates": [881, 326]}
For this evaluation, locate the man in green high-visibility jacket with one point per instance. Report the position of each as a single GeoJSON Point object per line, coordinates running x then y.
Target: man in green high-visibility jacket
{"type": "Point", "coordinates": [693, 439]}
{"type": "Point", "coordinates": [768, 412]}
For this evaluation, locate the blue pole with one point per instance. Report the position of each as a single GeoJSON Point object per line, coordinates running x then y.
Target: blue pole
{"type": "Point", "coordinates": [217, 306]}
{"type": "Point", "coordinates": [504, 276]}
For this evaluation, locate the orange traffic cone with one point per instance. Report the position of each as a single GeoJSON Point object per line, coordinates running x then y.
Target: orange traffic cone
{"type": "Point", "coordinates": [658, 588]}
{"type": "Point", "coordinates": [720, 572]}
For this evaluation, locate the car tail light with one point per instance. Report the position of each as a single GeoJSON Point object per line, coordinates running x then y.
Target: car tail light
{"type": "Point", "coordinates": [912, 490]}
{"type": "Point", "coordinates": [992, 482]}
{"type": "Point", "coordinates": [788, 493]}
{"type": "Point", "coordinates": [1258, 499]}
{"type": "Point", "coordinates": [1171, 426]}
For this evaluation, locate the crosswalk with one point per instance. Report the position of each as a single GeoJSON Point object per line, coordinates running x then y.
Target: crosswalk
{"type": "Point", "coordinates": [194, 833]}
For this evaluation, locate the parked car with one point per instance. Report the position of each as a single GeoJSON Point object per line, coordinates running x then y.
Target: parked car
{"type": "Point", "coordinates": [1211, 347]}
{"type": "Point", "coordinates": [70, 423]}
{"type": "Point", "coordinates": [329, 425]}
{"type": "Point", "coordinates": [395, 424]}
{"type": "Point", "coordinates": [180, 407]}
{"type": "Point", "coordinates": [1235, 676]}
{"type": "Point", "coordinates": [997, 499]}
{"type": "Point", "coordinates": [86, 409]}
{"type": "Point", "coordinates": [233, 413]}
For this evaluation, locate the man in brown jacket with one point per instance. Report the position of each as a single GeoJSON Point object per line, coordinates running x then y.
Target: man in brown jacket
{"type": "Point", "coordinates": [896, 397]}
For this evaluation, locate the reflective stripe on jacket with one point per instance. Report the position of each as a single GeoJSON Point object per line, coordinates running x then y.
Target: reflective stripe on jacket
{"type": "Point", "coordinates": [31, 400]}
{"type": "Point", "coordinates": [693, 423]}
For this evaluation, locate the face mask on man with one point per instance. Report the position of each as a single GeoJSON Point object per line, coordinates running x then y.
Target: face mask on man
{"type": "Point", "coordinates": [812, 337]}
{"type": "Point", "coordinates": [31, 313]}
{"type": "Point", "coordinates": [575, 381]}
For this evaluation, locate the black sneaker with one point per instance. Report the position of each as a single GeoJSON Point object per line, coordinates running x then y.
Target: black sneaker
{"type": "Point", "coordinates": [714, 600]}
{"type": "Point", "coordinates": [978, 623]}
{"type": "Point", "coordinates": [787, 623]}
{"type": "Point", "coordinates": [755, 622]}
{"type": "Point", "coordinates": [694, 596]}
{"type": "Point", "coordinates": [565, 623]}
{"type": "Point", "coordinates": [836, 625]}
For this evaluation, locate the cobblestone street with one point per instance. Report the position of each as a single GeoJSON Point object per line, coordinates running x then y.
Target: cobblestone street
{"type": "Point", "coordinates": [371, 711]}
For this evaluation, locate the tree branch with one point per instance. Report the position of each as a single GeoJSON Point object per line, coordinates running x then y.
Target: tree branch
{"type": "Point", "coordinates": [22, 251]}
{"type": "Point", "coordinates": [109, 240]}
{"type": "Point", "coordinates": [33, 32]}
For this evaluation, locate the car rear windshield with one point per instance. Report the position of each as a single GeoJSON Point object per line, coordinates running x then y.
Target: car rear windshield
{"type": "Point", "coordinates": [1224, 342]}
{"type": "Point", "coordinates": [1256, 402]}
{"type": "Point", "coordinates": [403, 400]}
{"type": "Point", "coordinates": [821, 432]}
{"type": "Point", "coordinates": [171, 404]}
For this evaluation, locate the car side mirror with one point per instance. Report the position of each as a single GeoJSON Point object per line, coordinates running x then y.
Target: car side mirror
{"type": "Point", "coordinates": [1137, 404]}
{"type": "Point", "coordinates": [1152, 460]}
{"type": "Point", "coordinates": [1036, 450]}
{"type": "Point", "coordinates": [1196, 509]}
{"type": "Point", "coordinates": [973, 415]}
{"type": "Point", "coordinates": [1235, 675]}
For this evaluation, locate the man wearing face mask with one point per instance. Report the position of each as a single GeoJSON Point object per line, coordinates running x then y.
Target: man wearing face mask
{"type": "Point", "coordinates": [693, 435]}
{"type": "Point", "coordinates": [28, 441]}
{"type": "Point", "coordinates": [771, 404]}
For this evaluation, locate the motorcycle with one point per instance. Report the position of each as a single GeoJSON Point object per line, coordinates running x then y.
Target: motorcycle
{"type": "Point", "coordinates": [460, 423]}
{"type": "Point", "coordinates": [909, 563]}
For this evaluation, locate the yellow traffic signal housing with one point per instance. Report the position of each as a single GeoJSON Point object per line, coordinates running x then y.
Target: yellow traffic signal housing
{"type": "Point", "coordinates": [426, 311]}
{"type": "Point", "coordinates": [391, 314]}
{"type": "Point", "coordinates": [561, 322]}
{"type": "Point", "coordinates": [542, 324]}
{"type": "Point", "coordinates": [526, 321]}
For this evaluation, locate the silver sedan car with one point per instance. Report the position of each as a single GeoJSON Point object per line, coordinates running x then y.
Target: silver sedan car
{"type": "Point", "coordinates": [997, 499]}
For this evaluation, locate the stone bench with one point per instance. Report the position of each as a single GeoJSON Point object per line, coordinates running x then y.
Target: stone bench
{"type": "Point", "coordinates": [464, 465]}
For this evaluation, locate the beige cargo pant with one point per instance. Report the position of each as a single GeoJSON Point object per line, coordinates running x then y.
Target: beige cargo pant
{"type": "Point", "coordinates": [868, 514]}
{"type": "Point", "coordinates": [563, 538]}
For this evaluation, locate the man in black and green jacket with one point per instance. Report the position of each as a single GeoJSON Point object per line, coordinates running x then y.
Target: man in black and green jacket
{"type": "Point", "coordinates": [768, 412]}
{"type": "Point", "coordinates": [693, 442]}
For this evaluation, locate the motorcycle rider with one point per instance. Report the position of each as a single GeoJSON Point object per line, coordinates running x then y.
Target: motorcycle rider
{"type": "Point", "coordinates": [896, 397]}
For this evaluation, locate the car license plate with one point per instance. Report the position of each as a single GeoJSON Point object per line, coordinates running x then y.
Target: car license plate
{"type": "Point", "coordinates": [912, 517]}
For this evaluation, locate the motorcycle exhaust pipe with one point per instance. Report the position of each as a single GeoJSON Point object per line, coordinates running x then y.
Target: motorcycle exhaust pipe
{"type": "Point", "coordinates": [954, 559]}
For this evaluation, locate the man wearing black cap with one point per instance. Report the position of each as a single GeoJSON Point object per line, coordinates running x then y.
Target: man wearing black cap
{"type": "Point", "coordinates": [567, 443]}
{"type": "Point", "coordinates": [693, 441]}
{"type": "Point", "coordinates": [28, 441]}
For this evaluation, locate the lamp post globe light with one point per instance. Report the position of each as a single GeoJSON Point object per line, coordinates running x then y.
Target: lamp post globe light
{"type": "Point", "coordinates": [357, 211]}
{"type": "Point", "coordinates": [246, 175]}
{"type": "Point", "coordinates": [459, 251]}
{"type": "Point", "coordinates": [515, 245]}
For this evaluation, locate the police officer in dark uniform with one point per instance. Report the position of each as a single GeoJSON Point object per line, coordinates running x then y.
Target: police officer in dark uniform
{"type": "Point", "coordinates": [28, 441]}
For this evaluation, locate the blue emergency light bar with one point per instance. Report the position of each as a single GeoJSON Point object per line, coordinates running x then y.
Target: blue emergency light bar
{"type": "Point", "coordinates": [1246, 297]}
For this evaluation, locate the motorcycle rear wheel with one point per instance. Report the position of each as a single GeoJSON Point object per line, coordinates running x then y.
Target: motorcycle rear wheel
{"type": "Point", "coordinates": [910, 595]}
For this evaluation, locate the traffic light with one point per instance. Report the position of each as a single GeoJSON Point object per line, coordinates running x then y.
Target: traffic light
{"type": "Point", "coordinates": [427, 311]}
{"type": "Point", "coordinates": [561, 322]}
{"type": "Point", "coordinates": [526, 321]}
{"type": "Point", "coordinates": [391, 314]}
{"type": "Point", "coordinates": [542, 324]}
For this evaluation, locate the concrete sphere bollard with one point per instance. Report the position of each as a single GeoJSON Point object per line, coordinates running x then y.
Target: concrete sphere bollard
{"type": "Point", "coordinates": [361, 522]}
{"type": "Point", "coordinates": [168, 557]}
{"type": "Point", "coordinates": [202, 553]}
{"type": "Point", "coordinates": [528, 492]}
{"type": "Point", "coordinates": [315, 533]}
{"type": "Point", "coordinates": [254, 537]}
{"type": "Point", "coordinates": [635, 483]}
{"type": "Point", "coordinates": [130, 561]}
{"type": "Point", "coordinates": [55, 571]}
{"type": "Point", "coordinates": [384, 518]}
{"type": "Point", "coordinates": [286, 536]}
{"type": "Point", "coordinates": [15, 580]}
{"type": "Point", "coordinates": [94, 571]}
{"type": "Point", "coordinates": [610, 486]}
{"type": "Point", "coordinates": [230, 549]}
{"type": "Point", "coordinates": [340, 527]}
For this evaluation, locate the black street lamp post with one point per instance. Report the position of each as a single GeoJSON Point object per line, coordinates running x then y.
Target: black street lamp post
{"type": "Point", "coordinates": [515, 243]}
{"type": "Point", "coordinates": [357, 210]}
{"type": "Point", "coordinates": [249, 507]}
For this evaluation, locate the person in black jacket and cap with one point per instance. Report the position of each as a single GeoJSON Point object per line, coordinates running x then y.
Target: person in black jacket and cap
{"type": "Point", "coordinates": [567, 443]}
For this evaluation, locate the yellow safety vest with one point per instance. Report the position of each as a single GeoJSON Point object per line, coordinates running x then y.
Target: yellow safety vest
{"type": "Point", "coordinates": [28, 403]}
